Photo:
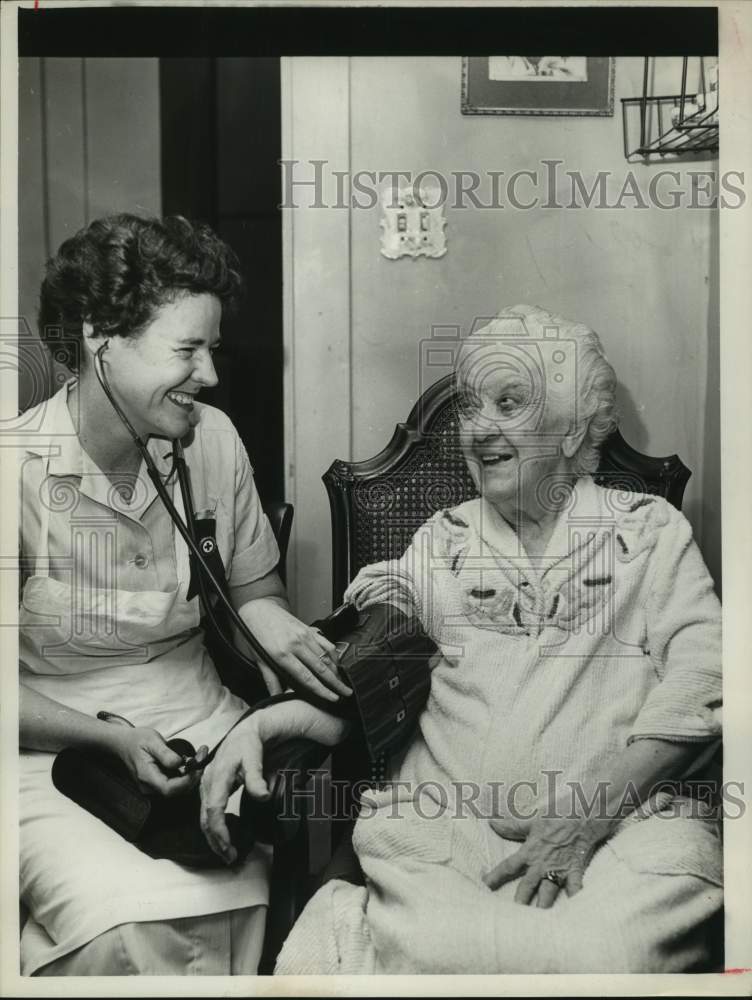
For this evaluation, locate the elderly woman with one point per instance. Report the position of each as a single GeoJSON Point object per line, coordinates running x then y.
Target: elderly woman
{"type": "Point", "coordinates": [108, 623]}
{"type": "Point", "coordinates": [579, 667]}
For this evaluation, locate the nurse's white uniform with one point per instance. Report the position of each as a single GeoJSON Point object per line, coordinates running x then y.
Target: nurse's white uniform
{"type": "Point", "coordinates": [105, 624]}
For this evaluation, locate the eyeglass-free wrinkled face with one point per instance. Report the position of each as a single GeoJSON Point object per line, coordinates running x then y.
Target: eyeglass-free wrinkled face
{"type": "Point", "coordinates": [517, 407]}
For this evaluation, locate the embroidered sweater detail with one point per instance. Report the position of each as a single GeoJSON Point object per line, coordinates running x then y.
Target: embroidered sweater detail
{"type": "Point", "coordinates": [527, 671]}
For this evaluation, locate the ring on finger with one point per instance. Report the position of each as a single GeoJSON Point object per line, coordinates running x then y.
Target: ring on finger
{"type": "Point", "coordinates": [553, 876]}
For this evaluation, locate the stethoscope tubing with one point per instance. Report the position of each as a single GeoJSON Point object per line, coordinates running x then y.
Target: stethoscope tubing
{"type": "Point", "coordinates": [185, 529]}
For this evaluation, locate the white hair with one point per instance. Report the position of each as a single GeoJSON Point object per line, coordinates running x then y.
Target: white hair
{"type": "Point", "coordinates": [595, 378]}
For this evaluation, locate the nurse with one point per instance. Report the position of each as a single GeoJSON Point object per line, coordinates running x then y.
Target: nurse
{"type": "Point", "coordinates": [106, 623]}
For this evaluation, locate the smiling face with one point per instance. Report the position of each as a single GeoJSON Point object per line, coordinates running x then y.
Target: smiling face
{"type": "Point", "coordinates": [516, 422]}
{"type": "Point", "coordinates": [155, 373]}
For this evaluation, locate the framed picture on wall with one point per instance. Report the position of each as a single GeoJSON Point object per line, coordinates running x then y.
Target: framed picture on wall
{"type": "Point", "coordinates": [537, 85]}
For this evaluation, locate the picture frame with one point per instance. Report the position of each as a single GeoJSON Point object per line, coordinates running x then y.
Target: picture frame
{"type": "Point", "coordinates": [572, 86]}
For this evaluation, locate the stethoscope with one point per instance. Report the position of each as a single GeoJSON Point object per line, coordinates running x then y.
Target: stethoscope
{"type": "Point", "coordinates": [187, 530]}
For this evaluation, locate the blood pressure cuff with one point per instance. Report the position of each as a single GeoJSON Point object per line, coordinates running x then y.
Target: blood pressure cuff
{"type": "Point", "coordinates": [384, 655]}
{"type": "Point", "coordinates": [159, 826]}
{"type": "Point", "coordinates": [170, 827]}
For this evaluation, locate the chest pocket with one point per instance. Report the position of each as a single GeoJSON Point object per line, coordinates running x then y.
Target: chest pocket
{"type": "Point", "coordinates": [215, 538]}
{"type": "Point", "coordinates": [205, 529]}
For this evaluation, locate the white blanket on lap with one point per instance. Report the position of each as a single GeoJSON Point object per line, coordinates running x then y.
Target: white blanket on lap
{"type": "Point", "coordinates": [426, 910]}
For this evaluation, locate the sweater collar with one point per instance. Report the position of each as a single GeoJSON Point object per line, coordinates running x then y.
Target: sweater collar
{"type": "Point", "coordinates": [583, 524]}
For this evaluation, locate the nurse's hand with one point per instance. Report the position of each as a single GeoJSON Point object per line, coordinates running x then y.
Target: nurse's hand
{"type": "Point", "coordinates": [307, 658]}
{"type": "Point", "coordinates": [240, 761]}
{"type": "Point", "coordinates": [151, 762]}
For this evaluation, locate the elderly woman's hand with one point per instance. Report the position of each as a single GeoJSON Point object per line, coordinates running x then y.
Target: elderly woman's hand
{"type": "Point", "coordinates": [554, 856]}
{"type": "Point", "coordinates": [563, 844]}
{"type": "Point", "coordinates": [240, 761]}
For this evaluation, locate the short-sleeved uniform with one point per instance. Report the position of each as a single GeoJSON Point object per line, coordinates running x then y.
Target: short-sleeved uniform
{"type": "Point", "coordinates": [105, 624]}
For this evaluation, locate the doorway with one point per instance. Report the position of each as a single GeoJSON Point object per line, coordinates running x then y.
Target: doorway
{"type": "Point", "coordinates": [221, 143]}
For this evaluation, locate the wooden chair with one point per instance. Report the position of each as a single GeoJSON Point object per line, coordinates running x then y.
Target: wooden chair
{"type": "Point", "coordinates": [280, 516]}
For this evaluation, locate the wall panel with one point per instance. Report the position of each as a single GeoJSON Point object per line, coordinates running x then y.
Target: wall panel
{"type": "Point", "coordinates": [122, 138]}
{"type": "Point", "coordinates": [317, 327]}
{"type": "Point", "coordinates": [33, 239]}
{"type": "Point", "coordinates": [645, 279]}
{"type": "Point", "coordinates": [640, 276]}
{"type": "Point", "coordinates": [88, 145]}
{"type": "Point", "coordinates": [65, 137]}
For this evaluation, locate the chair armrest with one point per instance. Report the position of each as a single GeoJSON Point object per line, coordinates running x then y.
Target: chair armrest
{"type": "Point", "coordinates": [283, 822]}
{"type": "Point", "coordinates": [280, 516]}
{"type": "Point", "coordinates": [288, 766]}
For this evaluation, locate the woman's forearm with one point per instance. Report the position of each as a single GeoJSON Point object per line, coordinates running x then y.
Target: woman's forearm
{"type": "Point", "coordinates": [296, 719]}
{"type": "Point", "coordinates": [45, 724]}
{"type": "Point", "coordinates": [633, 775]}
{"type": "Point", "coordinates": [562, 837]}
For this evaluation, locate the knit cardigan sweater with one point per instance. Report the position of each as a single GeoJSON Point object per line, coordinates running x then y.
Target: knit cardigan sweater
{"type": "Point", "coordinates": [555, 664]}
{"type": "Point", "coordinates": [547, 667]}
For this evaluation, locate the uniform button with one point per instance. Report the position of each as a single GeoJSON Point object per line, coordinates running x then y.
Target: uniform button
{"type": "Point", "coordinates": [141, 561]}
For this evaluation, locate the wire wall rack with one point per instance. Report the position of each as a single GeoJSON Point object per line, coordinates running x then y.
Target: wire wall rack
{"type": "Point", "coordinates": [673, 124]}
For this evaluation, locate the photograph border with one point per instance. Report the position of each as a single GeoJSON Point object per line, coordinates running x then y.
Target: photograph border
{"type": "Point", "coordinates": [736, 347]}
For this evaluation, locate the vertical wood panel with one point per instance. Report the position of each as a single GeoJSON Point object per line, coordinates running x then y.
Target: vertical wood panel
{"type": "Point", "coordinates": [317, 314]}
{"type": "Point", "coordinates": [33, 379]}
{"type": "Point", "coordinates": [120, 157]}
{"type": "Point", "coordinates": [66, 167]}
{"type": "Point", "coordinates": [123, 147]}
{"type": "Point", "coordinates": [709, 487]}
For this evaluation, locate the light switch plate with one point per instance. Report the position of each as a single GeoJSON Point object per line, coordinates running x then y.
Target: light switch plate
{"type": "Point", "coordinates": [412, 224]}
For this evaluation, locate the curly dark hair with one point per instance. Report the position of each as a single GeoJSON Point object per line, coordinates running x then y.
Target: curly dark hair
{"type": "Point", "coordinates": [118, 271]}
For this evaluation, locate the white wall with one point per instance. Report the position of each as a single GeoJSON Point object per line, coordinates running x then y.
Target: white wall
{"type": "Point", "coordinates": [645, 279]}
{"type": "Point", "coordinates": [88, 146]}
{"type": "Point", "coordinates": [317, 304]}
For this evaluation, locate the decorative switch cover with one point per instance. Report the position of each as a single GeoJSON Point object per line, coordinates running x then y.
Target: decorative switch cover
{"type": "Point", "coordinates": [412, 224]}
